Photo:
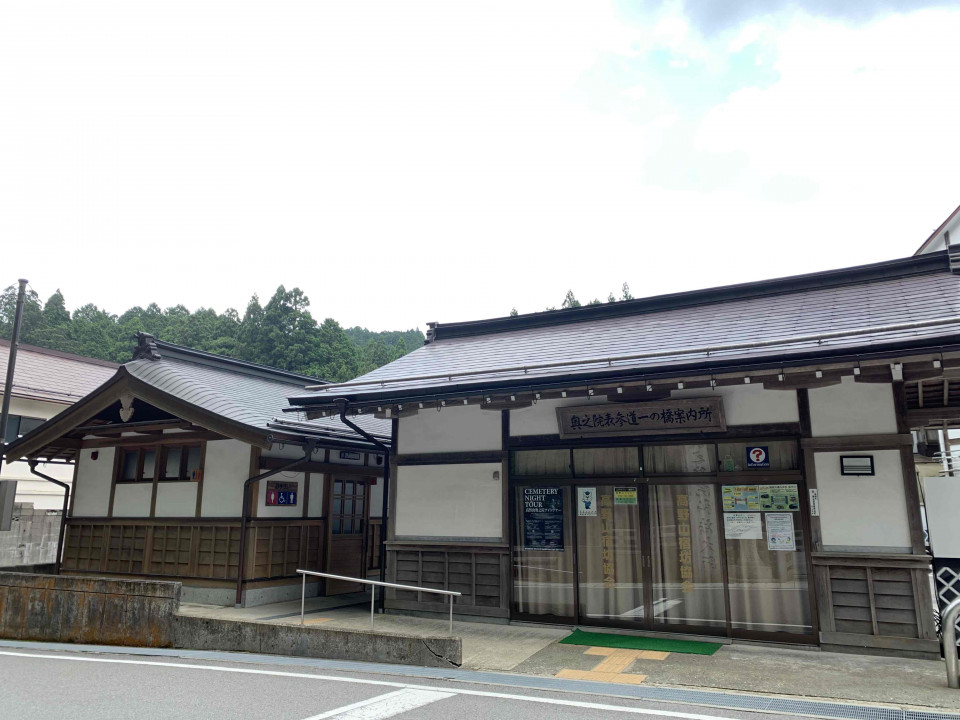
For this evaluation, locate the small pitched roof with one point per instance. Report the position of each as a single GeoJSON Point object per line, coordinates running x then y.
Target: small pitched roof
{"type": "Point", "coordinates": [234, 398]}
{"type": "Point", "coordinates": [911, 302]}
{"type": "Point", "coordinates": [51, 375]}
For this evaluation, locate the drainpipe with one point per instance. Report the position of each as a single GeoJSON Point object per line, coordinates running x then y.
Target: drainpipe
{"type": "Point", "coordinates": [308, 454]}
{"type": "Point", "coordinates": [342, 404]}
{"type": "Point", "coordinates": [63, 516]}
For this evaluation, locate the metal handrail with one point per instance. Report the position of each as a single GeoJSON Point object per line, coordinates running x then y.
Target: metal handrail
{"type": "Point", "coordinates": [372, 584]}
{"type": "Point", "coordinates": [949, 625]}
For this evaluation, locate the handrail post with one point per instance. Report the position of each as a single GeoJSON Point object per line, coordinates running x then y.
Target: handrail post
{"type": "Point", "coordinates": [372, 594]}
{"type": "Point", "coordinates": [450, 598]}
{"type": "Point", "coordinates": [303, 596]}
{"type": "Point", "coordinates": [949, 625]}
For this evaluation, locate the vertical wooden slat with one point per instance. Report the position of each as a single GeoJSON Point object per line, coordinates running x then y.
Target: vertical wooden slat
{"type": "Point", "coordinates": [873, 601]}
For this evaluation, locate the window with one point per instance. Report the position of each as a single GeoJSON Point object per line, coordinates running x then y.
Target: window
{"type": "Point", "coordinates": [176, 463]}
{"type": "Point", "coordinates": [348, 506]}
{"type": "Point", "coordinates": [20, 425]}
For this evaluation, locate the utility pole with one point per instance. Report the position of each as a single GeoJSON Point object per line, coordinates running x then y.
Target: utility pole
{"type": "Point", "coordinates": [8, 489]}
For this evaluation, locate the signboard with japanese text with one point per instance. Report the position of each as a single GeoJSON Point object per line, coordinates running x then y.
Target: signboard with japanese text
{"type": "Point", "coordinates": [742, 526]}
{"type": "Point", "coordinates": [682, 415]}
{"type": "Point", "coordinates": [779, 497]}
{"type": "Point", "coordinates": [281, 493]}
{"type": "Point", "coordinates": [780, 535]}
{"type": "Point", "coordinates": [542, 518]}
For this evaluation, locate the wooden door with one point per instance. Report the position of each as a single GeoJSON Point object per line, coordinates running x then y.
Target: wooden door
{"type": "Point", "coordinates": [349, 513]}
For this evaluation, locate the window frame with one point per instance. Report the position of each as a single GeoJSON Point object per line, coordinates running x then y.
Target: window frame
{"type": "Point", "coordinates": [159, 463]}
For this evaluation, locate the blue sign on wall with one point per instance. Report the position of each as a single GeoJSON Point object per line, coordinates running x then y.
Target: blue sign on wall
{"type": "Point", "coordinates": [281, 493]}
{"type": "Point", "coordinates": [758, 457]}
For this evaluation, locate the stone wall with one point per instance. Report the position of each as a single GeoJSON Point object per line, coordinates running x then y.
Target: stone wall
{"type": "Point", "coordinates": [32, 539]}
{"type": "Point", "coordinates": [100, 611]}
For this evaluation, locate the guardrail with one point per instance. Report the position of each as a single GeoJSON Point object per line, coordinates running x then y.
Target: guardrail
{"type": "Point", "coordinates": [949, 625]}
{"type": "Point", "coordinates": [372, 584]}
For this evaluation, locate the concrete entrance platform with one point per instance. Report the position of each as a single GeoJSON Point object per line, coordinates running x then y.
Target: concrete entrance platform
{"type": "Point", "coordinates": [747, 668]}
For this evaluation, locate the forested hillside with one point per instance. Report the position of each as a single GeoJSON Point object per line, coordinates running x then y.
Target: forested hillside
{"type": "Point", "coordinates": [281, 333]}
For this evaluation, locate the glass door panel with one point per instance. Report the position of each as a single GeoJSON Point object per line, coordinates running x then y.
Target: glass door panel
{"type": "Point", "coordinates": [610, 557]}
{"type": "Point", "coordinates": [543, 552]}
{"type": "Point", "coordinates": [687, 564]}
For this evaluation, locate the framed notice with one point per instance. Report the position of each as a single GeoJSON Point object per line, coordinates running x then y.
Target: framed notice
{"type": "Point", "coordinates": [542, 518]}
{"type": "Point", "coordinates": [742, 526]}
{"type": "Point", "coordinates": [780, 534]}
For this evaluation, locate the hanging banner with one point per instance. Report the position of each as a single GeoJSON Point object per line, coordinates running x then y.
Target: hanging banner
{"type": "Point", "coordinates": [779, 497]}
{"type": "Point", "coordinates": [780, 531]}
{"type": "Point", "coordinates": [740, 498]}
{"type": "Point", "coordinates": [624, 496]}
{"type": "Point", "coordinates": [681, 415]}
{"type": "Point", "coordinates": [587, 502]}
{"type": "Point", "coordinates": [543, 518]}
{"type": "Point", "coordinates": [742, 526]}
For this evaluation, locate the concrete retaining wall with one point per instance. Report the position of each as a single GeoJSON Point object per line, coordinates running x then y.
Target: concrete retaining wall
{"type": "Point", "coordinates": [200, 633]}
{"type": "Point", "coordinates": [62, 608]}
{"type": "Point", "coordinates": [32, 539]}
{"type": "Point", "coordinates": [104, 611]}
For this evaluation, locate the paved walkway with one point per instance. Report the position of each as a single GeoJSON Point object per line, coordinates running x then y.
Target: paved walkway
{"type": "Point", "coordinates": [533, 650]}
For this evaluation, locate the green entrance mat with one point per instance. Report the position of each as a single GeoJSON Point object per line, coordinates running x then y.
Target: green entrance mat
{"type": "Point", "coordinates": [632, 642]}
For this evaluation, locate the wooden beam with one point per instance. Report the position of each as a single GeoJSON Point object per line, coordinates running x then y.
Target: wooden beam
{"type": "Point", "coordinates": [841, 443]}
{"type": "Point", "coordinates": [154, 439]}
{"type": "Point", "coordinates": [269, 463]}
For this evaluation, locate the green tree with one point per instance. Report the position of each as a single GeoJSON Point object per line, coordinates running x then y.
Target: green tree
{"type": "Point", "coordinates": [626, 293]}
{"type": "Point", "coordinates": [570, 301]}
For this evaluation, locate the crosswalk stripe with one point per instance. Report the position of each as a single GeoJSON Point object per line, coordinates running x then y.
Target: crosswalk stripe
{"type": "Point", "coordinates": [384, 706]}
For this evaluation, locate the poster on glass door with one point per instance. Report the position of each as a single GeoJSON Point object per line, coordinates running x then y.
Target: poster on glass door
{"type": "Point", "coordinates": [780, 535]}
{"type": "Point", "coordinates": [543, 518]}
{"type": "Point", "coordinates": [587, 502]}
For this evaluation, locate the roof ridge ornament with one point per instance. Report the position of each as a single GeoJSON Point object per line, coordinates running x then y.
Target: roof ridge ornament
{"type": "Point", "coordinates": [146, 348]}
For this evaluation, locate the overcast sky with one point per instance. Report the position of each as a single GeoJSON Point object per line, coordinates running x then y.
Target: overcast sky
{"type": "Point", "coordinates": [403, 161]}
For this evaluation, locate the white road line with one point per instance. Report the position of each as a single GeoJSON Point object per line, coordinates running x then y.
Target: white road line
{"type": "Point", "coordinates": [385, 706]}
{"type": "Point", "coordinates": [383, 683]}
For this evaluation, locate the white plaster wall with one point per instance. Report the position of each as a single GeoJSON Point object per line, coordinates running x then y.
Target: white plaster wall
{"type": "Point", "coordinates": [94, 478]}
{"type": "Point", "coordinates": [863, 511]}
{"type": "Point", "coordinates": [225, 467]}
{"type": "Point", "coordinates": [454, 429]}
{"type": "Point", "coordinates": [751, 404]}
{"type": "Point", "coordinates": [31, 489]}
{"type": "Point", "coordinates": [942, 496]}
{"type": "Point", "coordinates": [852, 408]}
{"type": "Point", "coordinates": [132, 499]}
{"type": "Point", "coordinates": [315, 508]}
{"type": "Point", "coordinates": [541, 417]}
{"type": "Point", "coordinates": [176, 499]}
{"type": "Point", "coordinates": [280, 511]}
{"type": "Point", "coordinates": [376, 499]}
{"type": "Point", "coordinates": [451, 501]}
{"type": "Point", "coordinates": [742, 405]}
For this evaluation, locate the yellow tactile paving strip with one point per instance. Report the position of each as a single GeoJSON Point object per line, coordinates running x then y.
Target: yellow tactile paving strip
{"type": "Point", "coordinates": [611, 668]}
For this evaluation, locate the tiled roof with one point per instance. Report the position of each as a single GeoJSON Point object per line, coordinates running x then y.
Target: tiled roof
{"type": "Point", "coordinates": [53, 376]}
{"type": "Point", "coordinates": [249, 398]}
{"type": "Point", "coordinates": [871, 307]}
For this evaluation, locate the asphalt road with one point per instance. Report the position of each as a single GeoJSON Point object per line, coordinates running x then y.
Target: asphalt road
{"type": "Point", "coordinates": [37, 685]}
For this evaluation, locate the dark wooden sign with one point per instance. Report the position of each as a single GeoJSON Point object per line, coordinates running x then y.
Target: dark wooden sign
{"type": "Point", "coordinates": [686, 415]}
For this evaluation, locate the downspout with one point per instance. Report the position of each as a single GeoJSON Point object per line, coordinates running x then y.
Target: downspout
{"type": "Point", "coordinates": [342, 405]}
{"type": "Point", "coordinates": [66, 504]}
{"type": "Point", "coordinates": [308, 450]}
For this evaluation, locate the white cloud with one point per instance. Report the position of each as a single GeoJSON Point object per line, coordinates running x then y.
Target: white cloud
{"type": "Point", "coordinates": [405, 162]}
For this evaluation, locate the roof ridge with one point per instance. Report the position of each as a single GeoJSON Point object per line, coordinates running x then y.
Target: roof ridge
{"type": "Point", "coordinates": [24, 347]}
{"type": "Point", "coordinates": [150, 348]}
{"type": "Point", "coordinates": [886, 270]}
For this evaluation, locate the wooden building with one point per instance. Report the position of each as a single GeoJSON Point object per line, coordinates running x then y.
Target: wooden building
{"type": "Point", "coordinates": [735, 461]}
{"type": "Point", "coordinates": [164, 451]}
